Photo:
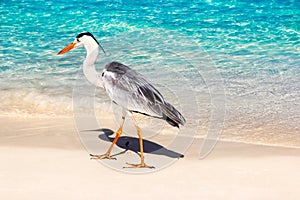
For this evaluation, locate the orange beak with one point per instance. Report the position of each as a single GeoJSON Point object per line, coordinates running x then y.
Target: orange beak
{"type": "Point", "coordinates": [67, 48]}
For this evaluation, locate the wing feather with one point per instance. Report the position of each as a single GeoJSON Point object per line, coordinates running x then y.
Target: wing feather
{"type": "Point", "coordinates": [132, 91]}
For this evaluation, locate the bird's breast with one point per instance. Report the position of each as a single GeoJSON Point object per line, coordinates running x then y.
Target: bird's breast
{"type": "Point", "coordinates": [109, 80]}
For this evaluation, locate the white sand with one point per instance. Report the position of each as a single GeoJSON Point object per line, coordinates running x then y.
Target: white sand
{"type": "Point", "coordinates": [44, 159]}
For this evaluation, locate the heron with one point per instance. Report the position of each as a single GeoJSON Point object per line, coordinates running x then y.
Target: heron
{"type": "Point", "coordinates": [127, 88]}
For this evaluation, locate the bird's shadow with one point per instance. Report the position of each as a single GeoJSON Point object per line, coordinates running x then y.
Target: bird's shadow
{"type": "Point", "coordinates": [132, 144]}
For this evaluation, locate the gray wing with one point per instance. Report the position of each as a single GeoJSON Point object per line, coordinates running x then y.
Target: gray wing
{"type": "Point", "coordinates": [132, 91]}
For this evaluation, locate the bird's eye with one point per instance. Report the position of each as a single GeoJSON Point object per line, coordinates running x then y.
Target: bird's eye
{"type": "Point", "coordinates": [102, 74]}
{"type": "Point", "coordinates": [77, 40]}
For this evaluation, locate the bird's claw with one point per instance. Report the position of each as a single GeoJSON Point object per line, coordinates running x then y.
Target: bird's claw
{"type": "Point", "coordinates": [100, 157]}
{"type": "Point", "coordinates": [141, 165]}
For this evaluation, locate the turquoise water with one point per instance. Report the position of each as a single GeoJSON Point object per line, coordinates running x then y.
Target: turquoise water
{"type": "Point", "coordinates": [253, 45]}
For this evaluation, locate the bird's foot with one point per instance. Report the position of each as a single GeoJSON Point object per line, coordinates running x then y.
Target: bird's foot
{"type": "Point", "coordinates": [141, 165]}
{"type": "Point", "coordinates": [100, 157]}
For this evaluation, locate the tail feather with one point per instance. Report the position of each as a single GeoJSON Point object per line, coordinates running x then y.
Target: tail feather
{"type": "Point", "coordinates": [171, 115]}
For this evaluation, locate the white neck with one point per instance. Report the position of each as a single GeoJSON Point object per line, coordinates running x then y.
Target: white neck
{"type": "Point", "coordinates": [89, 68]}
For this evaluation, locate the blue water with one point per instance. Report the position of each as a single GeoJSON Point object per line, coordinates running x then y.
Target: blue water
{"type": "Point", "coordinates": [253, 45]}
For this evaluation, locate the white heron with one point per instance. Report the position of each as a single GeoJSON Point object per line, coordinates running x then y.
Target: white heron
{"type": "Point", "coordinates": [128, 89]}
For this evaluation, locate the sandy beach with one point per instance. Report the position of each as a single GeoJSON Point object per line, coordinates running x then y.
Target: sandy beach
{"type": "Point", "coordinates": [43, 158]}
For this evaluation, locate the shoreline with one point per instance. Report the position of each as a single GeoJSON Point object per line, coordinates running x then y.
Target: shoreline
{"type": "Point", "coordinates": [47, 123]}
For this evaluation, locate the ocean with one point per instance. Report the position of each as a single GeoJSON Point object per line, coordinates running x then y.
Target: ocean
{"type": "Point", "coordinates": [228, 65]}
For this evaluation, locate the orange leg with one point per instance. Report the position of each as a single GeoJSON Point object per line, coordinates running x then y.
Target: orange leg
{"type": "Point", "coordinates": [142, 164]}
{"type": "Point", "coordinates": [107, 154]}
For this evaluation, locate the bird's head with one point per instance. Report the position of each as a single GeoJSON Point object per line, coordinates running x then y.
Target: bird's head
{"type": "Point", "coordinates": [85, 39]}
